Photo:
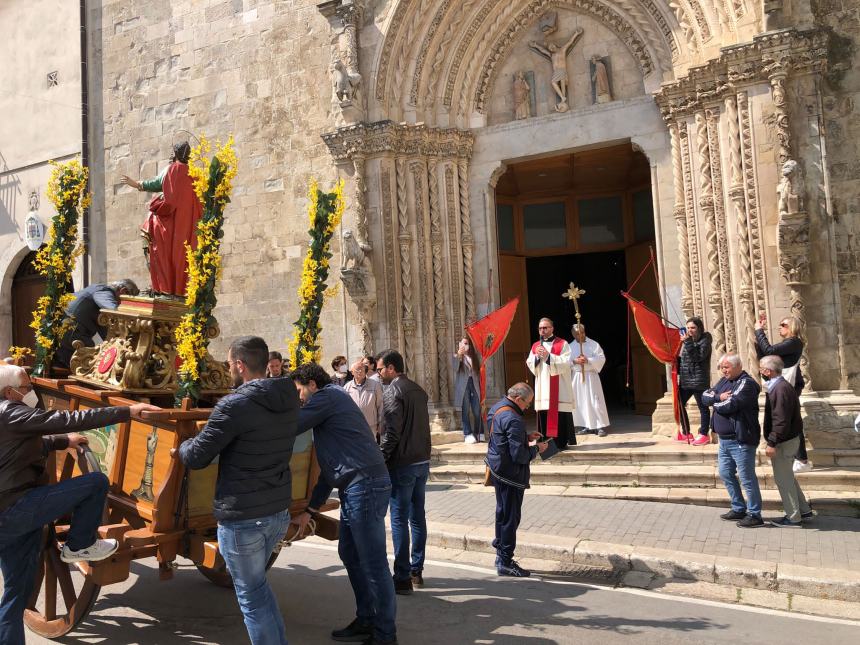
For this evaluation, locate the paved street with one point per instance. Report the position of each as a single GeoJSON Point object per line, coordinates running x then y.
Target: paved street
{"type": "Point", "coordinates": [829, 542]}
{"type": "Point", "coordinates": [461, 604]}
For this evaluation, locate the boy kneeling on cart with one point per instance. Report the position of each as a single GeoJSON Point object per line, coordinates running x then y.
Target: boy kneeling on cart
{"type": "Point", "coordinates": [28, 503]}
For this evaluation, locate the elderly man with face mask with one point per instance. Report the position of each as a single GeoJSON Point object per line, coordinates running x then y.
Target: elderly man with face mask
{"type": "Point", "coordinates": [28, 502]}
{"type": "Point", "coordinates": [367, 394]}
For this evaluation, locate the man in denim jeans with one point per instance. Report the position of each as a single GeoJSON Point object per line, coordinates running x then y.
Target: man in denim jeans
{"type": "Point", "coordinates": [350, 461]}
{"type": "Point", "coordinates": [735, 421]}
{"type": "Point", "coordinates": [251, 431]}
{"type": "Point", "coordinates": [406, 446]}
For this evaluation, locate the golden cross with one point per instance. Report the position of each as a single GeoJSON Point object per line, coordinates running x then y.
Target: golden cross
{"type": "Point", "coordinates": [573, 293]}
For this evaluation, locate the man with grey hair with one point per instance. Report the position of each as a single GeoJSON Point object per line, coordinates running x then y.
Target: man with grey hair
{"type": "Point", "coordinates": [782, 432]}
{"type": "Point", "coordinates": [28, 502]}
{"type": "Point", "coordinates": [85, 310]}
{"type": "Point", "coordinates": [508, 457]}
{"type": "Point", "coordinates": [735, 421]}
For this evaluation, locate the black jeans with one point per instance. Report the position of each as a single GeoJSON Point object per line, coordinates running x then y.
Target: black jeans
{"type": "Point", "coordinates": [509, 504]}
{"type": "Point", "coordinates": [566, 434]}
{"type": "Point", "coordinates": [704, 411]}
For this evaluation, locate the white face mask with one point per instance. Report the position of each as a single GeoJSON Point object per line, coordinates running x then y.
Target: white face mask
{"type": "Point", "coordinates": [30, 399]}
{"type": "Point", "coordinates": [342, 369]}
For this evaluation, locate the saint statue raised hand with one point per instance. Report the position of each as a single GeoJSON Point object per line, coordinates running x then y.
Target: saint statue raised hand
{"type": "Point", "coordinates": [171, 222]}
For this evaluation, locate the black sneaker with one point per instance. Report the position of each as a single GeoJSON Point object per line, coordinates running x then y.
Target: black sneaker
{"type": "Point", "coordinates": [601, 432]}
{"type": "Point", "coordinates": [733, 516]}
{"type": "Point", "coordinates": [355, 632]}
{"type": "Point", "coordinates": [808, 516]}
{"type": "Point", "coordinates": [751, 521]}
{"type": "Point", "coordinates": [582, 431]}
{"type": "Point", "coordinates": [785, 523]}
{"type": "Point", "coordinates": [417, 579]}
{"type": "Point", "coordinates": [513, 570]}
{"type": "Point", "coordinates": [403, 587]}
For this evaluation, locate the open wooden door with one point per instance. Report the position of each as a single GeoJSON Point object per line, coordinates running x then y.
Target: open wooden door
{"type": "Point", "coordinates": [27, 287]}
{"type": "Point", "coordinates": [512, 278]}
{"type": "Point", "coordinates": [647, 374]}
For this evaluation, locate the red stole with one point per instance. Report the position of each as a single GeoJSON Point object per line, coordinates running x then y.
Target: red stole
{"type": "Point", "coordinates": [552, 413]}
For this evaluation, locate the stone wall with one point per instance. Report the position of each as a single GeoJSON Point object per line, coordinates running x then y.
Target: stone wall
{"type": "Point", "coordinates": [256, 70]}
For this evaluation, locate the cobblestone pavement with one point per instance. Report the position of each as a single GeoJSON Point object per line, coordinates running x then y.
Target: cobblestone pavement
{"type": "Point", "coordinates": [829, 542]}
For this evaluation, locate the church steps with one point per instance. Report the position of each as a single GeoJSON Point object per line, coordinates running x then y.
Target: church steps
{"type": "Point", "coordinates": [667, 454]}
{"type": "Point", "coordinates": [838, 480]}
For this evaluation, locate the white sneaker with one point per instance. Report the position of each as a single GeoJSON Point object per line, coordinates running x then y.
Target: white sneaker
{"type": "Point", "coordinates": [98, 550]}
{"type": "Point", "coordinates": [470, 438]}
{"type": "Point", "coordinates": [801, 467]}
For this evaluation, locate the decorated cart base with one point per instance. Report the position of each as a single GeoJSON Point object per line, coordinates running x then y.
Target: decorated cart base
{"type": "Point", "coordinates": [139, 354]}
{"type": "Point", "coordinates": [155, 507]}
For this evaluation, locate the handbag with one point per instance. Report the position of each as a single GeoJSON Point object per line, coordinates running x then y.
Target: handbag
{"type": "Point", "coordinates": [488, 474]}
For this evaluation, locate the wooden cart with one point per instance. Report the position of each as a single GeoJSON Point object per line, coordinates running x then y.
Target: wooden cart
{"type": "Point", "coordinates": [155, 507]}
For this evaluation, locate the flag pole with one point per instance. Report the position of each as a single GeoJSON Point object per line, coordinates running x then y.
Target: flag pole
{"type": "Point", "coordinates": [644, 306]}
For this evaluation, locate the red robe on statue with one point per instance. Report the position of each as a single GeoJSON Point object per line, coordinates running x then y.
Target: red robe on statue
{"type": "Point", "coordinates": [171, 222]}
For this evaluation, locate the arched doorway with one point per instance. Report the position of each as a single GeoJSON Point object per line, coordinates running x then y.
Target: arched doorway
{"type": "Point", "coordinates": [27, 287]}
{"type": "Point", "coordinates": [585, 217]}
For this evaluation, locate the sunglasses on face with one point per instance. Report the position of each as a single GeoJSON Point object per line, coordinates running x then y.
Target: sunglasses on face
{"type": "Point", "coordinates": [783, 324]}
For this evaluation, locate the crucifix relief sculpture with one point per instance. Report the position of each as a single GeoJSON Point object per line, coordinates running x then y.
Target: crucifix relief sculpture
{"type": "Point", "coordinates": [557, 56]}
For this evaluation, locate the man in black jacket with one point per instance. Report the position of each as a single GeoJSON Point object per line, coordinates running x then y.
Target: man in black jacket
{"type": "Point", "coordinates": [508, 457]}
{"type": "Point", "coordinates": [28, 502]}
{"type": "Point", "coordinates": [85, 310]}
{"type": "Point", "coordinates": [406, 446]}
{"type": "Point", "coordinates": [783, 429]}
{"type": "Point", "coordinates": [350, 461]}
{"type": "Point", "coordinates": [251, 431]}
{"type": "Point", "coordinates": [735, 402]}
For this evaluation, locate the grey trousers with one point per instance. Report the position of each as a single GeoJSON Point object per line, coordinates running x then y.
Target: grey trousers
{"type": "Point", "coordinates": [793, 500]}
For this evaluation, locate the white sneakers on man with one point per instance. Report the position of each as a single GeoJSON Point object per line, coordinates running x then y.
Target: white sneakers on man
{"type": "Point", "coordinates": [470, 438]}
{"type": "Point", "coordinates": [801, 466]}
{"type": "Point", "coordinates": [98, 550]}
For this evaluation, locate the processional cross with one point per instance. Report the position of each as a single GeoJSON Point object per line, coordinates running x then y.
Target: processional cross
{"type": "Point", "coordinates": [573, 293]}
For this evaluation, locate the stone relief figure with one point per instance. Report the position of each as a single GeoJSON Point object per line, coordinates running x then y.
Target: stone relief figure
{"type": "Point", "coordinates": [548, 23]}
{"type": "Point", "coordinates": [522, 97]}
{"type": "Point", "coordinates": [600, 80]}
{"type": "Point", "coordinates": [789, 190]}
{"type": "Point", "coordinates": [353, 251]}
{"type": "Point", "coordinates": [557, 56]}
{"type": "Point", "coordinates": [344, 84]}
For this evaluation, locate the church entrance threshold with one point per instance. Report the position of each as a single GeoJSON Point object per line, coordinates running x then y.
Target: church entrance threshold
{"type": "Point", "coordinates": [585, 218]}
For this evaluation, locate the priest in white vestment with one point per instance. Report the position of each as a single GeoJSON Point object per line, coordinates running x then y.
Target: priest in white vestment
{"type": "Point", "coordinates": [590, 414]}
{"type": "Point", "coordinates": [549, 361]}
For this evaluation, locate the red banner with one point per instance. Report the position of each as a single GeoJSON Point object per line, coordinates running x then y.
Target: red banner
{"type": "Point", "coordinates": [663, 341]}
{"type": "Point", "coordinates": [488, 334]}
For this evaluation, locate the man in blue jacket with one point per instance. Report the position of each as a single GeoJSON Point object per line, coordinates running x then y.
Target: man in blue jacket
{"type": "Point", "coordinates": [351, 461]}
{"type": "Point", "coordinates": [251, 431]}
{"type": "Point", "coordinates": [508, 457]}
{"type": "Point", "coordinates": [735, 420]}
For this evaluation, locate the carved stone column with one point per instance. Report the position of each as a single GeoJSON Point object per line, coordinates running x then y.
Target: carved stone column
{"type": "Point", "coordinates": [404, 241]}
{"type": "Point", "coordinates": [738, 196]}
{"type": "Point", "coordinates": [692, 226]}
{"type": "Point", "coordinates": [706, 206]}
{"type": "Point", "coordinates": [437, 252]}
{"type": "Point", "coordinates": [467, 240]}
{"type": "Point", "coordinates": [680, 213]}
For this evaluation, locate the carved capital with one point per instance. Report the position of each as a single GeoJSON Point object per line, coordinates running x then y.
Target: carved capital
{"type": "Point", "coordinates": [369, 139]}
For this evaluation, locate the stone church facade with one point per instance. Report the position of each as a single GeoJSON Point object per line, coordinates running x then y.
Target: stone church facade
{"type": "Point", "coordinates": [421, 105]}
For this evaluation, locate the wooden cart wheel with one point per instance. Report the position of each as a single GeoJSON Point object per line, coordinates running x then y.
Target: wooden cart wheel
{"type": "Point", "coordinates": [63, 595]}
{"type": "Point", "coordinates": [221, 577]}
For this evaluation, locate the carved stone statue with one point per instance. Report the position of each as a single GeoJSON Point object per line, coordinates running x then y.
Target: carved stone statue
{"type": "Point", "coordinates": [600, 80]}
{"type": "Point", "coordinates": [522, 97]}
{"type": "Point", "coordinates": [344, 84]}
{"type": "Point", "coordinates": [548, 23]}
{"type": "Point", "coordinates": [557, 56]}
{"type": "Point", "coordinates": [34, 200]}
{"type": "Point", "coordinates": [352, 251]}
{"type": "Point", "coordinates": [789, 191]}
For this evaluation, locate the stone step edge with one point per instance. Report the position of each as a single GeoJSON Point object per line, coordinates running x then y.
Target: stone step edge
{"type": "Point", "coordinates": [830, 584]}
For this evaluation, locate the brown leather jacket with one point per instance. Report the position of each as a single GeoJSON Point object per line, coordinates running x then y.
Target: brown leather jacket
{"type": "Point", "coordinates": [26, 436]}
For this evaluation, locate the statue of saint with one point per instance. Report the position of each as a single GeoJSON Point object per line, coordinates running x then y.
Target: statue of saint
{"type": "Point", "coordinates": [557, 56]}
{"type": "Point", "coordinates": [172, 221]}
{"type": "Point", "coordinates": [789, 191]}
{"type": "Point", "coordinates": [600, 80]}
{"type": "Point", "coordinates": [522, 97]}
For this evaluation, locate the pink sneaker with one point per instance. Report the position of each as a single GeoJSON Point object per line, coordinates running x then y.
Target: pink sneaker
{"type": "Point", "coordinates": [702, 440]}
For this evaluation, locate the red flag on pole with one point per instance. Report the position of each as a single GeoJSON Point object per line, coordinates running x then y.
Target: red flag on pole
{"type": "Point", "coordinates": [488, 334]}
{"type": "Point", "coordinates": [662, 341]}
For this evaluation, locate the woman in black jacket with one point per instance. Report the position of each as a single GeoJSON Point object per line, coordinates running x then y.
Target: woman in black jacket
{"type": "Point", "coordinates": [789, 350]}
{"type": "Point", "coordinates": [694, 377]}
